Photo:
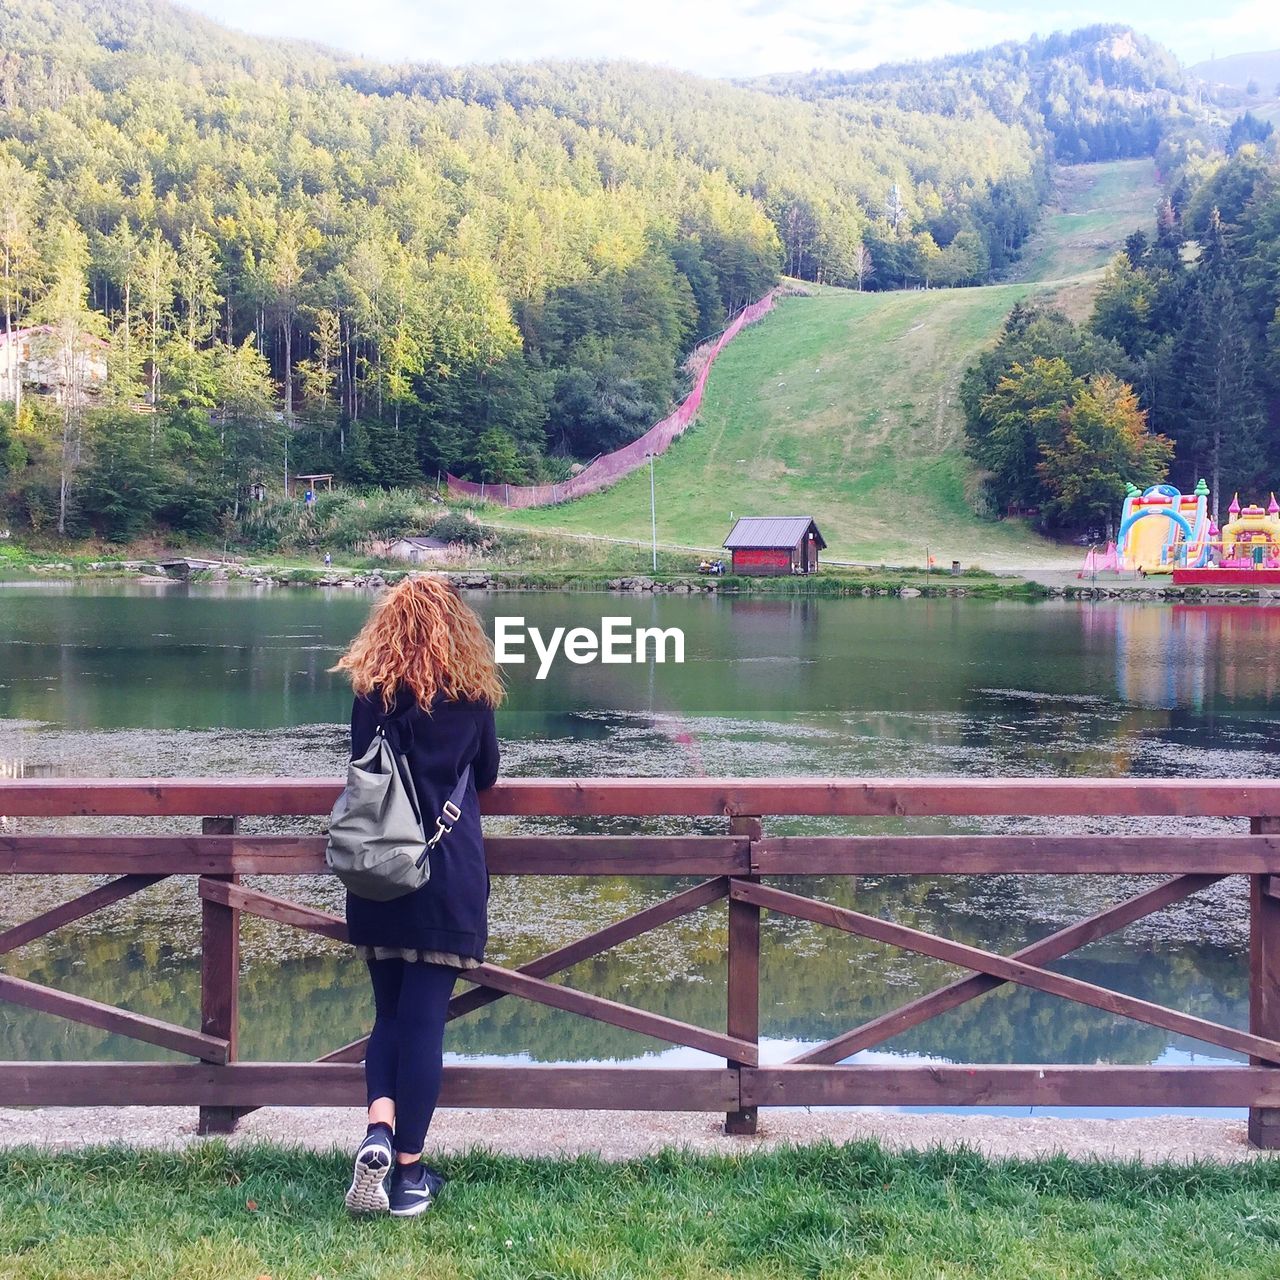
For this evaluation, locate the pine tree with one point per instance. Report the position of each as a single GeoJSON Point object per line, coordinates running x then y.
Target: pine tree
{"type": "Point", "coordinates": [1135, 247]}
{"type": "Point", "coordinates": [253, 439]}
{"type": "Point", "coordinates": [1122, 306]}
{"type": "Point", "coordinates": [1220, 409]}
{"type": "Point", "coordinates": [357, 462]}
{"type": "Point", "coordinates": [1168, 225]}
{"type": "Point", "coordinates": [119, 256]}
{"type": "Point", "coordinates": [157, 275]}
{"type": "Point", "coordinates": [319, 373]}
{"type": "Point", "coordinates": [197, 285]}
{"type": "Point", "coordinates": [284, 273]}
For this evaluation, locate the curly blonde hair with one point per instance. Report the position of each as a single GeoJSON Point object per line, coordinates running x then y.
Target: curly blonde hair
{"type": "Point", "coordinates": [421, 636]}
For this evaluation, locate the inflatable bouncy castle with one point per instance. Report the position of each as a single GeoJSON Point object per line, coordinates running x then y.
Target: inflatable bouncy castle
{"type": "Point", "coordinates": [1245, 554]}
{"type": "Point", "coordinates": [1162, 529]}
{"type": "Point", "coordinates": [1251, 538]}
{"type": "Point", "coordinates": [1165, 531]}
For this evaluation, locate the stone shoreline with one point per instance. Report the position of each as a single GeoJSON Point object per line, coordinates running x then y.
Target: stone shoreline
{"type": "Point", "coordinates": [1186, 595]}
{"type": "Point", "coordinates": [882, 585]}
{"type": "Point", "coordinates": [1045, 585]}
{"type": "Point", "coordinates": [625, 1135]}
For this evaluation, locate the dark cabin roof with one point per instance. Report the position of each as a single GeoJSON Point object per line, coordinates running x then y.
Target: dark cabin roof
{"type": "Point", "coordinates": [772, 531]}
{"type": "Point", "coordinates": [425, 544]}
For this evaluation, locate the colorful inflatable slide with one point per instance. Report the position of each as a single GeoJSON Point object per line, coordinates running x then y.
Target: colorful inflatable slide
{"type": "Point", "coordinates": [1162, 529]}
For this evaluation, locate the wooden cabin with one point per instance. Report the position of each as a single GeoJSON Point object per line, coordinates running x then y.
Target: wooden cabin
{"type": "Point", "coordinates": [415, 550]}
{"type": "Point", "coordinates": [764, 545]}
{"type": "Point", "coordinates": [33, 362]}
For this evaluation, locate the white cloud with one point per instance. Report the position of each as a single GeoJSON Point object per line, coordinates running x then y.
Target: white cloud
{"type": "Point", "coordinates": [732, 37]}
{"type": "Point", "coordinates": [715, 37]}
{"type": "Point", "coordinates": [1253, 26]}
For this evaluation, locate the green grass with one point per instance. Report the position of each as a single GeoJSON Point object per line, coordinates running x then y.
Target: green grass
{"type": "Point", "coordinates": [845, 406]}
{"type": "Point", "coordinates": [522, 561]}
{"type": "Point", "coordinates": [855, 1211]}
{"type": "Point", "coordinates": [1095, 207]}
{"type": "Point", "coordinates": [506, 549]}
{"type": "Point", "coordinates": [15, 562]}
{"type": "Point", "coordinates": [842, 405]}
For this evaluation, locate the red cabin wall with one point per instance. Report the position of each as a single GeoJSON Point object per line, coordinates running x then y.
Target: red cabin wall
{"type": "Point", "coordinates": [761, 561]}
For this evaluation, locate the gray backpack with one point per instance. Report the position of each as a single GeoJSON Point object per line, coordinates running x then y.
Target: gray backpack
{"type": "Point", "coordinates": [377, 846]}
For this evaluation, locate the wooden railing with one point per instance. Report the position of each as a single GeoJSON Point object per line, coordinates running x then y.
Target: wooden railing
{"type": "Point", "coordinates": [735, 866]}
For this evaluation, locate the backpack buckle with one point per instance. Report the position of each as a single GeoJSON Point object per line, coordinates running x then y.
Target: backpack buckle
{"type": "Point", "coordinates": [449, 811]}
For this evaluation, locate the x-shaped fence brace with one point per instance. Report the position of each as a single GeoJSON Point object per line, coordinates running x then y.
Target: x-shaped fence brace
{"type": "Point", "coordinates": [93, 1013]}
{"type": "Point", "coordinates": [529, 981]}
{"type": "Point", "coordinates": [992, 969]}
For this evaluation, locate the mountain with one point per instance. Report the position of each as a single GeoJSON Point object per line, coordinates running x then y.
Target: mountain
{"type": "Point", "coordinates": [1100, 93]}
{"type": "Point", "coordinates": [1238, 70]}
{"type": "Point", "coordinates": [823, 172]}
{"type": "Point", "coordinates": [101, 44]}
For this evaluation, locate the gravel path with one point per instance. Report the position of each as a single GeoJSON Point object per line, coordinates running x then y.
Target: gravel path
{"type": "Point", "coordinates": [620, 1135]}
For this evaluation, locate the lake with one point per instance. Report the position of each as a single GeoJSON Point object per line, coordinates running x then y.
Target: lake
{"type": "Point", "coordinates": [114, 679]}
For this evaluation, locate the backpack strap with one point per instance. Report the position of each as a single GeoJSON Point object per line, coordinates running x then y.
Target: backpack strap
{"type": "Point", "coordinates": [451, 810]}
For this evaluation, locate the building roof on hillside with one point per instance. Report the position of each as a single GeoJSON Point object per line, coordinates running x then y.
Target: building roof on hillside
{"type": "Point", "coordinates": [427, 544]}
{"type": "Point", "coordinates": [771, 531]}
{"type": "Point", "coordinates": [32, 330]}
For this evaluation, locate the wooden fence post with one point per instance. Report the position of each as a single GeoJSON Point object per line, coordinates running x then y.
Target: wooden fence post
{"type": "Point", "coordinates": [220, 978]}
{"type": "Point", "coordinates": [744, 977]}
{"type": "Point", "coordinates": [1264, 982]}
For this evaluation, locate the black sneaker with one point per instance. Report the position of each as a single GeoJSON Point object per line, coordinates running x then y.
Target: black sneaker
{"type": "Point", "coordinates": [413, 1189]}
{"type": "Point", "coordinates": [368, 1191]}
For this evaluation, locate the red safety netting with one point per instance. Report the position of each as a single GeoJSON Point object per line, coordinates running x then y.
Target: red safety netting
{"type": "Point", "coordinates": [609, 467]}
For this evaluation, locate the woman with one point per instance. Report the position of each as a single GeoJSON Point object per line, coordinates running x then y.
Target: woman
{"type": "Point", "coordinates": [423, 668]}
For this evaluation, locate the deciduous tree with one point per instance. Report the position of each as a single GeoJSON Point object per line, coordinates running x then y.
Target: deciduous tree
{"type": "Point", "coordinates": [1104, 444]}
{"type": "Point", "coordinates": [73, 340]}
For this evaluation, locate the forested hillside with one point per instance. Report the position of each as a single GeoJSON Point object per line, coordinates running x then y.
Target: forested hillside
{"type": "Point", "coordinates": [1100, 93]}
{"type": "Point", "coordinates": [848, 406]}
{"type": "Point", "coordinates": [861, 193]}
{"type": "Point", "coordinates": [301, 260]}
{"type": "Point", "coordinates": [1175, 373]}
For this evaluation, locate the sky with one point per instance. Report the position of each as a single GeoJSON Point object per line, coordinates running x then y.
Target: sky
{"type": "Point", "coordinates": [734, 37]}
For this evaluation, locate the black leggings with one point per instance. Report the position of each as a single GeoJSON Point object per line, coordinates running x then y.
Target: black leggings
{"type": "Point", "coordinates": [406, 1049]}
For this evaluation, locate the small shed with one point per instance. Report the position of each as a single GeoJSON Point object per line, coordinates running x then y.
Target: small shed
{"type": "Point", "coordinates": [763, 545]}
{"type": "Point", "coordinates": [185, 566]}
{"type": "Point", "coordinates": [417, 550]}
{"type": "Point", "coordinates": [309, 485]}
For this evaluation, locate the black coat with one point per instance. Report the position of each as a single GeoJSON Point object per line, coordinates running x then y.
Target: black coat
{"type": "Point", "coordinates": [450, 912]}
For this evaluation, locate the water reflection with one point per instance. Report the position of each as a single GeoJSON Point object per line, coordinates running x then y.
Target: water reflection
{"type": "Point", "coordinates": [815, 985]}
{"type": "Point", "coordinates": [105, 679]}
{"type": "Point", "coordinates": [1192, 655]}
